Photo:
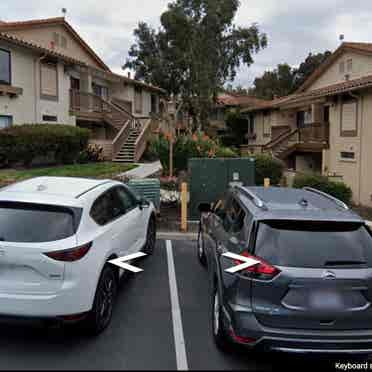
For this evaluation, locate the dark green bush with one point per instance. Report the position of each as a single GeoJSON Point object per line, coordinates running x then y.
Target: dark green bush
{"type": "Point", "coordinates": [184, 148]}
{"type": "Point", "coordinates": [337, 189]}
{"type": "Point", "coordinates": [24, 143]}
{"type": "Point", "coordinates": [268, 167]}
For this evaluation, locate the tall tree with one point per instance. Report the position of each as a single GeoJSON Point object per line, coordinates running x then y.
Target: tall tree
{"type": "Point", "coordinates": [278, 82]}
{"type": "Point", "coordinates": [306, 68]}
{"type": "Point", "coordinates": [284, 79]}
{"type": "Point", "coordinates": [195, 52]}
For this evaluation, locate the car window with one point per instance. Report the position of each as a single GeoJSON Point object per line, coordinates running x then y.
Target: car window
{"type": "Point", "coordinates": [107, 208]}
{"type": "Point", "coordinates": [234, 218]}
{"type": "Point", "coordinates": [127, 199]}
{"type": "Point", "coordinates": [36, 223]}
{"type": "Point", "coordinates": [314, 244]}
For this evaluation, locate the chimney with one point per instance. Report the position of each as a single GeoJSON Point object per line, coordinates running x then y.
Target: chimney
{"type": "Point", "coordinates": [341, 38]}
{"type": "Point", "coordinates": [129, 75]}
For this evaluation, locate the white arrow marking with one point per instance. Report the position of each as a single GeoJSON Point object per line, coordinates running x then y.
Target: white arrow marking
{"type": "Point", "coordinates": [247, 262]}
{"type": "Point", "coordinates": [120, 262]}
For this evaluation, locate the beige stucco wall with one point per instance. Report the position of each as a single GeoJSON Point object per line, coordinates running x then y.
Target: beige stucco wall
{"type": "Point", "coordinates": [28, 107]}
{"type": "Point", "coordinates": [44, 36]}
{"type": "Point", "coordinates": [362, 65]}
{"type": "Point", "coordinates": [261, 139]}
{"type": "Point", "coordinates": [348, 169]}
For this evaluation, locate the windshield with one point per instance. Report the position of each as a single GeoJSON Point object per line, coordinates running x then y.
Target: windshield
{"type": "Point", "coordinates": [314, 244]}
{"type": "Point", "coordinates": [35, 223]}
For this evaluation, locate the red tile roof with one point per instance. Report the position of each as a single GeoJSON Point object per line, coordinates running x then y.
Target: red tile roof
{"type": "Point", "coordinates": [225, 99]}
{"type": "Point", "coordinates": [8, 26]}
{"type": "Point", "coordinates": [364, 48]}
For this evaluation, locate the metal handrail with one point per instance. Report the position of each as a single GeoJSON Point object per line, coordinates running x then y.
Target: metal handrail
{"type": "Point", "coordinates": [339, 202]}
{"type": "Point", "coordinates": [253, 197]}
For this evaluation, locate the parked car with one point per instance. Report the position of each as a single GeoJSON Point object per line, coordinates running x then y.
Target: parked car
{"type": "Point", "coordinates": [311, 289]}
{"type": "Point", "coordinates": [56, 238]}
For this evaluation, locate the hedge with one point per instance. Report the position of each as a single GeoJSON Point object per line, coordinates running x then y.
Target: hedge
{"type": "Point", "coordinates": [24, 143]}
{"type": "Point", "coordinates": [337, 189]}
{"type": "Point", "coordinates": [268, 167]}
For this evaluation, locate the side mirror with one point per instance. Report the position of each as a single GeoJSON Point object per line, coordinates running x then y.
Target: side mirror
{"type": "Point", "coordinates": [143, 203]}
{"type": "Point", "coordinates": [204, 208]}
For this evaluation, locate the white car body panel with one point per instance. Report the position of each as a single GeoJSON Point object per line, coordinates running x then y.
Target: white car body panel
{"type": "Point", "coordinates": [32, 284]}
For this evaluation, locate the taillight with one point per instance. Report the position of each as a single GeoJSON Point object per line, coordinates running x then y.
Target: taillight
{"type": "Point", "coordinates": [70, 255]}
{"type": "Point", "coordinates": [263, 270]}
{"type": "Point", "coordinates": [240, 339]}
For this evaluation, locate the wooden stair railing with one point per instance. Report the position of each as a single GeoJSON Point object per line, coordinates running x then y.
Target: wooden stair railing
{"type": "Point", "coordinates": [121, 138]}
{"type": "Point", "coordinates": [141, 142]}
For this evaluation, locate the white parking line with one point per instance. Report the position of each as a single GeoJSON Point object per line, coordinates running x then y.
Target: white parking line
{"type": "Point", "coordinates": [179, 340]}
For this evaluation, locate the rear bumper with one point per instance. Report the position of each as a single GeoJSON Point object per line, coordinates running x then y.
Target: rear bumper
{"type": "Point", "coordinates": [70, 299]}
{"type": "Point", "coordinates": [245, 324]}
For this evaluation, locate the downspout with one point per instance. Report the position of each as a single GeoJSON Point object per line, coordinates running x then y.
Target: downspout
{"type": "Point", "coordinates": [357, 97]}
{"type": "Point", "coordinates": [37, 83]}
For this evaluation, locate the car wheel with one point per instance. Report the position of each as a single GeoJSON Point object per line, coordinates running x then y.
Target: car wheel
{"type": "Point", "coordinates": [219, 333]}
{"type": "Point", "coordinates": [200, 247]}
{"type": "Point", "coordinates": [150, 237]}
{"type": "Point", "coordinates": [100, 316]}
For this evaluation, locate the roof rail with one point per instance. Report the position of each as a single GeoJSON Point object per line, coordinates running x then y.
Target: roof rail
{"type": "Point", "coordinates": [92, 188]}
{"type": "Point", "coordinates": [330, 197]}
{"type": "Point", "coordinates": [253, 197]}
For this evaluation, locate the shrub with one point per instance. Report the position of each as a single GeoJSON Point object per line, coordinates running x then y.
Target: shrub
{"type": "Point", "coordinates": [186, 147]}
{"type": "Point", "coordinates": [24, 143]}
{"type": "Point", "coordinates": [268, 167]}
{"type": "Point", "coordinates": [337, 189]}
{"type": "Point", "coordinates": [93, 153]}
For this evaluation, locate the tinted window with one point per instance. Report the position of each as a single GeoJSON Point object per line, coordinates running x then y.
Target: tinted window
{"type": "Point", "coordinates": [314, 244]}
{"type": "Point", "coordinates": [4, 67]}
{"type": "Point", "coordinates": [107, 208]}
{"type": "Point", "coordinates": [234, 218]}
{"type": "Point", "coordinates": [32, 223]}
{"type": "Point", "coordinates": [126, 198]}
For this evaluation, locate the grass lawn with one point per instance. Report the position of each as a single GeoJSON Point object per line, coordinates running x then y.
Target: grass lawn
{"type": "Point", "coordinates": [92, 170]}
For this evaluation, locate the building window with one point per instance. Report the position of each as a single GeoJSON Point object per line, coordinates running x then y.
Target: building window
{"type": "Point", "coordinates": [154, 104]}
{"type": "Point", "coordinates": [100, 90]}
{"type": "Point", "coordinates": [349, 65]}
{"type": "Point", "coordinates": [5, 121]}
{"type": "Point", "coordinates": [5, 70]}
{"type": "Point", "coordinates": [55, 38]}
{"type": "Point", "coordinates": [347, 155]}
{"type": "Point", "coordinates": [63, 42]}
{"type": "Point", "coordinates": [49, 81]}
{"type": "Point", "coordinates": [50, 118]}
{"type": "Point", "coordinates": [251, 126]}
{"type": "Point", "coordinates": [349, 119]}
{"type": "Point", "coordinates": [342, 67]}
{"type": "Point", "coordinates": [138, 100]}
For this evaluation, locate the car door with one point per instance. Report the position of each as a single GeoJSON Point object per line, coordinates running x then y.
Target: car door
{"type": "Point", "coordinates": [133, 224]}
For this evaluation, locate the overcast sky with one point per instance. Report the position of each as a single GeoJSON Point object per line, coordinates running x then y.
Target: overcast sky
{"type": "Point", "coordinates": [294, 27]}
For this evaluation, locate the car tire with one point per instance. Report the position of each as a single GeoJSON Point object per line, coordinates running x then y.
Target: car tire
{"type": "Point", "coordinates": [100, 316]}
{"type": "Point", "coordinates": [219, 333]}
{"type": "Point", "coordinates": [200, 247]}
{"type": "Point", "coordinates": [150, 237]}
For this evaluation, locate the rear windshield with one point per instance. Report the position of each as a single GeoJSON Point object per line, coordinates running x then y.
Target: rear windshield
{"type": "Point", "coordinates": [35, 223]}
{"type": "Point", "coordinates": [314, 244]}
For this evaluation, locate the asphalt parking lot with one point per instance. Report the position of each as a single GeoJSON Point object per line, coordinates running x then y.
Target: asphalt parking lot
{"type": "Point", "coordinates": [147, 330]}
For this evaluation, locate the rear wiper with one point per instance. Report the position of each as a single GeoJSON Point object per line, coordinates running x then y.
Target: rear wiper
{"type": "Point", "coordinates": [344, 262]}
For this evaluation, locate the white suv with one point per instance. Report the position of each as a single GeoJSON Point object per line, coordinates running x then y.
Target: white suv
{"type": "Point", "coordinates": [56, 238]}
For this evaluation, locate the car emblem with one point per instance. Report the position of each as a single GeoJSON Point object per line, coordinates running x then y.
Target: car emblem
{"type": "Point", "coordinates": [329, 275]}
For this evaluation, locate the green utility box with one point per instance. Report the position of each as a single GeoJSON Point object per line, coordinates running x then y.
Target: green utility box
{"type": "Point", "coordinates": [210, 178]}
{"type": "Point", "coordinates": [148, 188]}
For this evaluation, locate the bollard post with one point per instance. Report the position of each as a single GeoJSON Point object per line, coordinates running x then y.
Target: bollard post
{"type": "Point", "coordinates": [267, 182]}
{"type": "Point", "coordinates": [184, 207]}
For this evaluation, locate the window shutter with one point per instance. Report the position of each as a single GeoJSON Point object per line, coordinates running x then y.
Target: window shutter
{"type": "Point", "coordinates": [138, 100]}
{"type": "Point", "coordinates": [349, 114]}
{"type": "Point", "coordinates": [49, 83]}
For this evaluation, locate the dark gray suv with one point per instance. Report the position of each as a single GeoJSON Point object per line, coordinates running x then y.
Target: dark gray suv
{"type": "Point", "coordinates": [311, 290]}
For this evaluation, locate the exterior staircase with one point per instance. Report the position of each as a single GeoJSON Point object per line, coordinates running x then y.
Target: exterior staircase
{"type": "Point", "coordinates": [128, 150]}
